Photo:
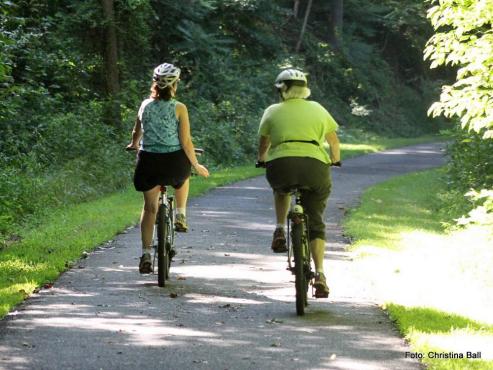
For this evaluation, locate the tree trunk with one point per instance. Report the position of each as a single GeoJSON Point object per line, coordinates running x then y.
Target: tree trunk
{"type": "Point", "coordinates": [335, 23]}
{"type": "Point", "coordinates": [296, 8]}
{"type": "Point", "coordinates": [112, 82]}
{"type": "Point", "coordinates": [303, 28]}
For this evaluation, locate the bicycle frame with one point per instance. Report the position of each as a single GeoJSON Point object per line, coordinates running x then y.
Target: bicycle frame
{"type": "Point", "coordinates": [164, 233]}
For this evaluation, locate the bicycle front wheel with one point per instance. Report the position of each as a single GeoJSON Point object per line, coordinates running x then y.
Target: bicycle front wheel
{"type": "Point", "coordinates": [162, 252]}
{"type": "Point", "coordinates": [300, 277]}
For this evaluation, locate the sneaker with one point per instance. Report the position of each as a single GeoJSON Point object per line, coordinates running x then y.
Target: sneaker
{"type": "Point", "coordinates": [181, 223]}
{"type": "Point", "coordinates": [320, 285]}
{"type": "Point", "coordinates": [279, 241]}
{"type": "Point", "coordinates": [145, 264]}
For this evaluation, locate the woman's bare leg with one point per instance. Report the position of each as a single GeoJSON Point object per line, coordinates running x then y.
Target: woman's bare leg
{"type": "Point", "coordinates": [282, 202]}
{"type": "Point", "coordinates": [181, 195]}
{"type": "Point", "coordinates": [148, 216]}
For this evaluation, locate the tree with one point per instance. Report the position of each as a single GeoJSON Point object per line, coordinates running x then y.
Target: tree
{"type": "Point", "coordinates": [111, 64]}
{"type": "Point", "coordinates": [464, 38]}
{"type": "Point", "coordinates": [303, 28]}
{"type": "Point", "coordinates": [335, 23]}
{"type": "Point", "coordinates": [296, 8]}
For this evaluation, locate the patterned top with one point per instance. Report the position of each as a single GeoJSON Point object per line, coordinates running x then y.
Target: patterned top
{"type": "Point", "coordinates": [159, 126]}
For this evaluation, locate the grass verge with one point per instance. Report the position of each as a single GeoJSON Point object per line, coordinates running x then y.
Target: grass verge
{"type": "Point", "coordinates": [436, 283]}
{"type": "Point", "coordinates": [48, 249]}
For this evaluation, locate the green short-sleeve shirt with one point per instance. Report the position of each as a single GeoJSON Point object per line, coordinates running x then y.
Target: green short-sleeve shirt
{"type": "Point", "coordinates": [297, 119]}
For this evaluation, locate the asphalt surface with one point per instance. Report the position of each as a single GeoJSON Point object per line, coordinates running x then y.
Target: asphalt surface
{"type": "Point", "coordinates": [230, 301]}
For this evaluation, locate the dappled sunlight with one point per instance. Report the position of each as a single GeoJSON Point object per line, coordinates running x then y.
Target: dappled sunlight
{"type": "Point", "coordinates": [453, 271]}
{"type": "Point", "coordinates": [283, 293]}
{"type": "Point", "coordinates": [137, 331]}
{"type": "Point", "coordinates": [15, 361]}
{"type": "Point", "coordinates": [120, 268]}
{"type": "Point", "coordinates": [245, 256]}
{"type": "Point", "coordinates": [226, 271]}
{"type": "Point", "coordinates": [404, 151]}
{"type": "Point", "coordinates": [256, 188]}
{"type": "Point", "coordinates": [216, 299]}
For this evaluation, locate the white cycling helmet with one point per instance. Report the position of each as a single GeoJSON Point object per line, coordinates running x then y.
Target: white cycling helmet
{"type": "Point", "coordinates": [166, 75]}
{"type": "Point", "coordinates": [290, 75]}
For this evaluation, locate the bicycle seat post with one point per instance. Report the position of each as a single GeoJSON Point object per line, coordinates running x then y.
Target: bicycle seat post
{"type": "Point", "coordinates": [162, 198]}
{"type": "Point", "coordinates": [297, 207]}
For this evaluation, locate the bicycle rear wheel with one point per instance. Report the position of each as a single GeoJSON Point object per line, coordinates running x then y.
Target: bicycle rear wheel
{"type": "Point", "coordinates": [169, 245]}
{"type": "Point", "coordinates": [162, 251]}
{"type": "Point", "coordinates": [299, 270]}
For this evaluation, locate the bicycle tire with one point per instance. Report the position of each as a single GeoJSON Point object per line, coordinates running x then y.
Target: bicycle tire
{"type": "Point", "coordinates": [299, 270]}
{"type": "Point", "coordinates": [162, 253]}
{"type": "Point", "coordinates": [170, 235]}
{"type": "Point", "coordinates": [168, 249]}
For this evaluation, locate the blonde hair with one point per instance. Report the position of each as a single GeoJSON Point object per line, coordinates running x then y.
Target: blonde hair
{"type": "Point", "coordinates": [296, 92]}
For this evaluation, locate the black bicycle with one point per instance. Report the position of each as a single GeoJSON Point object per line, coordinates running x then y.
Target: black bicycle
{"type": "Point", "coordinates": [299, 256]}
{"type": "Point", "coordinates": [164, 236]}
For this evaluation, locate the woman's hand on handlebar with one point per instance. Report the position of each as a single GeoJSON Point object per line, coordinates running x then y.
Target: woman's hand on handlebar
{"type": "Point", "coordinates": [131, 147]}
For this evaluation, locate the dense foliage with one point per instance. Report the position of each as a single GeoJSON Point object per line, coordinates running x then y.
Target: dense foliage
{"type": "Point", "coordinates": [55, 148]}
{"type": "Point", "coordinates": [464, 40]}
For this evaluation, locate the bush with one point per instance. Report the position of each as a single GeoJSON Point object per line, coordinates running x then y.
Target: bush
{"type": "Point", "coordinates": [76, 158]}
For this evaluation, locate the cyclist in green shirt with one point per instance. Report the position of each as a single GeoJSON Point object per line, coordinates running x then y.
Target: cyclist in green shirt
{"type": "Point", "coordinates": [292, 134]}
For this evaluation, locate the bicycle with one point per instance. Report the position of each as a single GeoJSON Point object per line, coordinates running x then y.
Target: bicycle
{"type": "Point", "coordinates": [299, 254]}
{"type": "Point", "coordinates": [164, 233]}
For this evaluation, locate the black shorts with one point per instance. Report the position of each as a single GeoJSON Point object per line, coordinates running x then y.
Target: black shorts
{"type": "Point", "coordinates": [313, 177]}
{"type": "Point", "coordinates": [161, 169]}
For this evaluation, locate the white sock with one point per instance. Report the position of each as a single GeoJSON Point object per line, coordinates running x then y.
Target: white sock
{"type": "Point", "coordinates": [147, 249]}
{"type": "Point", "coordinates": [280, 226]}
{"type": "Point", "coordinates": [182, 211]}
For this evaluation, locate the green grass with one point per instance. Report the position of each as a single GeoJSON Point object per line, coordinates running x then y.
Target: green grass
{"type": "Point", "coordinates": [390, 209]}
{"type": "Point", "coordinates": [424, 328]}
{"type": "Point", "coordinates": [61, 237]}
{"type": "Point", "coordinates": [437, 283]}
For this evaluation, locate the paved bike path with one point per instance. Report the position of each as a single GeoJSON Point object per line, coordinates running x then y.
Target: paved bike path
{"type": "Point", "coordinates": [229, 303]}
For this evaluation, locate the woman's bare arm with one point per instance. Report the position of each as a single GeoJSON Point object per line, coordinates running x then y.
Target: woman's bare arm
{"type": "Point", "coordinates": [263, 148]}
{"type": "Point", "coordinates": [186, 139]}
{"type": "Point", "coordinates": [335, 153]}
{"type": "Point", "coordinates": [136, 135]}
